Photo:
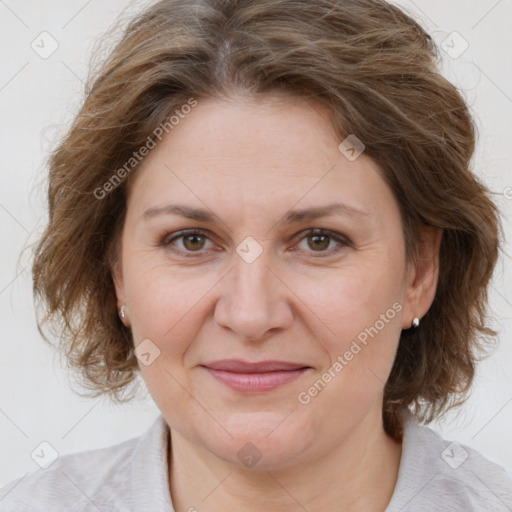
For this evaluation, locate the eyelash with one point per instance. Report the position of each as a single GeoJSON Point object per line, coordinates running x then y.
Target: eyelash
{"type": "Point", "coordinates": [343, 241]}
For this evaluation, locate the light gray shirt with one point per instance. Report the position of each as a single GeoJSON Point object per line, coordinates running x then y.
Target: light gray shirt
{"type": "Point", "coordinates": [434, 475]}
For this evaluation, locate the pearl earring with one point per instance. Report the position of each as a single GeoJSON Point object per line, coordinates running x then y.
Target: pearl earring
{"type": "Point", "coordinates": [415, 322]}
{"type": "Point", "coordinates": [122, 313]}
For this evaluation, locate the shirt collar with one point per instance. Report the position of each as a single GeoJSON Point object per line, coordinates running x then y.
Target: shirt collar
{"type": "Point", "coordinates": [150, 470]}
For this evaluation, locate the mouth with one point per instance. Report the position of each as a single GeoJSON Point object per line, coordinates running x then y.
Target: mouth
{"type": "Point", "coordinates": [246, 377]}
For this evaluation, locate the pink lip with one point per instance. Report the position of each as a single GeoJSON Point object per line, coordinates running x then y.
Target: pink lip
{"type": "Point", "coordinates": [254, 377]}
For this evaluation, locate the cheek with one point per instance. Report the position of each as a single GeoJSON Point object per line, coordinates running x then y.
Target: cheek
{"type": "Point", "coordinates": [156, 298]}
{"type": "Point", "coordinates": [352, 299]}
{"type": "Point", "coordinates": [168, 304]}
{"type": "Point", "coordinates": [164, 307]}
{"type": "Point", "coordinates": [360, 312]}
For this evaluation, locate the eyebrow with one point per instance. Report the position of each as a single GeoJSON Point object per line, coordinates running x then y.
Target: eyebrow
{"type": "Point", "coordinates": [294, 216]}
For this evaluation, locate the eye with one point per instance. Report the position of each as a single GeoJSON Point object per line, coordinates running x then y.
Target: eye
{"type": "Point", "coordinates": [318, 240]}
{"type": "Point", "coordinates": [192, 240]}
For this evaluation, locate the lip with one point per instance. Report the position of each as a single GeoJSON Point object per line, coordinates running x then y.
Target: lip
{"type": "Point", "coordinates": [239, 366]}
{"type": "Point", "coordinates": [257, 377]}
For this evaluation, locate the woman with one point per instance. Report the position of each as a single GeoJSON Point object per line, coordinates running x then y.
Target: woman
{"type": "Point", "coordinates": [266, 208]}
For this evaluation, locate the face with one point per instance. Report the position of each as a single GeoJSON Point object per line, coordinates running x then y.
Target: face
{"type": "Point", "coordinates": [320, 299]}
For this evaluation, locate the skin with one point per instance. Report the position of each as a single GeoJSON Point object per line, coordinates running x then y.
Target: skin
{"type": "Point", "coordinates": [299, 301]}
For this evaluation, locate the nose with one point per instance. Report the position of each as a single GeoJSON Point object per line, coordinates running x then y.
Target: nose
{"type": "Point", "coordinates": [254, 302]}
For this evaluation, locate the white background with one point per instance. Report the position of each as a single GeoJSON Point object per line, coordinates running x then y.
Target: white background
{"type": "Point", "coordinates": [38, 98]}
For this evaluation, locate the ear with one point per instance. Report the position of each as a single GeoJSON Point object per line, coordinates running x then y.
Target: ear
{"type": "Point", "coordinates": [117, 278]}
{"type": "Point", "coordinates": [422, 276]}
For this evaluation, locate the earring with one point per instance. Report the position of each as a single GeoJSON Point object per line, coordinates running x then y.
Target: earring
{"type": "Point", "coordinates": [122, 313]}
{"type": "Point", "coordinates": [415, 322]}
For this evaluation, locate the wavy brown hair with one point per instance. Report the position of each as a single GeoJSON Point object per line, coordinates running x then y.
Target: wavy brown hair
{"type": "Point", "coordinates": [376, 69]}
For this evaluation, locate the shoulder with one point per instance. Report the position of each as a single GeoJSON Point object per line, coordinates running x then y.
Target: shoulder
{"type": "Point", "coordinates": [436, 474]}
{"type": "Point", "coordinates": [69, 480]}
{"type": "Point", "coordinates": [102, 479]}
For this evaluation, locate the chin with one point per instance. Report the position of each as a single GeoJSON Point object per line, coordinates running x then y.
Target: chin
{"type": "Point", "coordinates": [258, 455]}
{"type": "Point", "coordinates": [264, 441]}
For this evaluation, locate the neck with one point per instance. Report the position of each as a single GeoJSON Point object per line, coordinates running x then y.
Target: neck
{"type": "Point", "coordinates": [358, 474]}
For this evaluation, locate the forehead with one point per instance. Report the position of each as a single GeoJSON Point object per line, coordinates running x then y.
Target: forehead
{"type": "Point", "coordinates": [257, 154]}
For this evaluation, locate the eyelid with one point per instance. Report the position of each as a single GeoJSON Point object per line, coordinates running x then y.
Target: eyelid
{"type": "Point", "coordinates": [170, 237]}
{"type": "Point", "coordinates": [342, 240]}
{"type": "Point", "coordinates": [322, 231]}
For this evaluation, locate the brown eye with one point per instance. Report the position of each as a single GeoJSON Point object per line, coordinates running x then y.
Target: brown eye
{"type": "Point", "coordinates": [193, 242]}
{"type": "Point", "coordinates": [186, 242]}
{"type": "Point", "coordinates": [323, 242]}
{"type": "Point", "coordinates": [318, 242]}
